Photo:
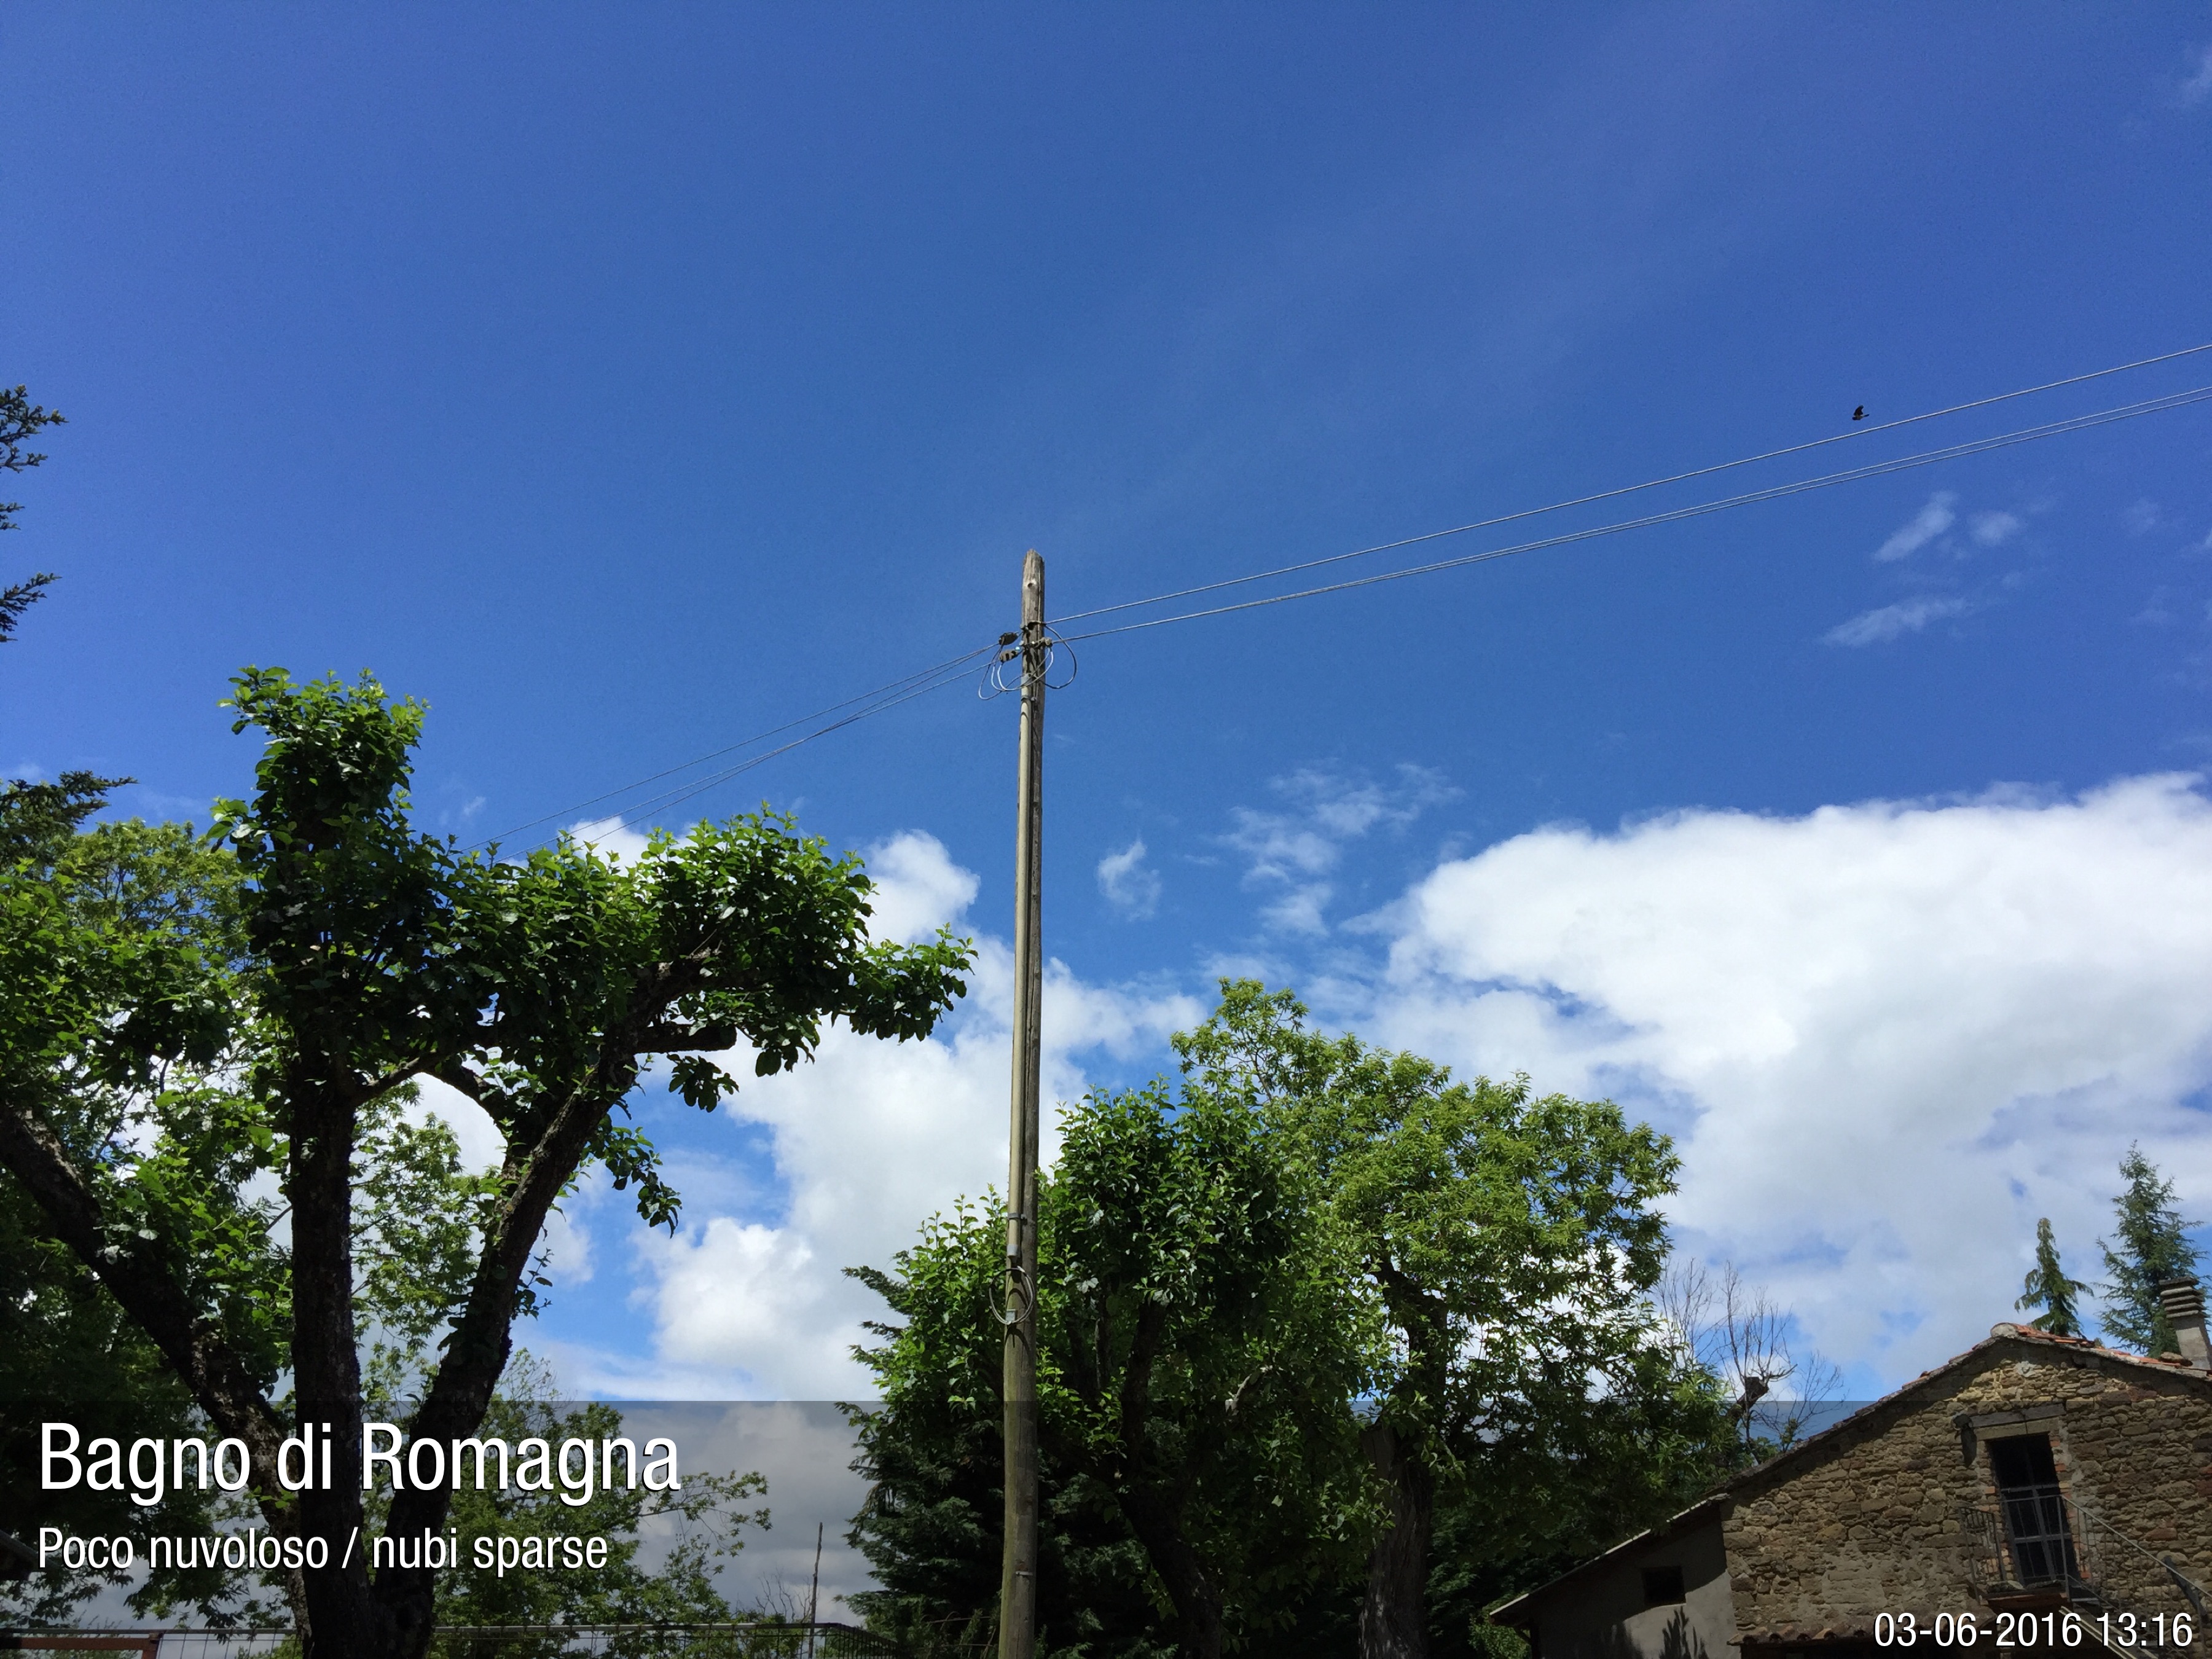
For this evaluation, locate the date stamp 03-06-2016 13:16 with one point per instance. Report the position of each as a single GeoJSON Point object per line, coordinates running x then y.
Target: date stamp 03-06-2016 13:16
{"type": "Point", "coordinates": [2068, 1628]}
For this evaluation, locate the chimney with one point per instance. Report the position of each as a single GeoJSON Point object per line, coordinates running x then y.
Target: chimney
{"type": "Point", "coordinates": [2184, 1305]}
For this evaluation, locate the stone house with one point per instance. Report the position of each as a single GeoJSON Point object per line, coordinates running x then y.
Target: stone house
{"type": "Point", "coordinates": [2056, 1492]}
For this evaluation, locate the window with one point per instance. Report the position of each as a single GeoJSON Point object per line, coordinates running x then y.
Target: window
{"type": "Point", "coordinates": [1662, 1587]}
{"type": "Point", "coordinates": [2037, 1528]}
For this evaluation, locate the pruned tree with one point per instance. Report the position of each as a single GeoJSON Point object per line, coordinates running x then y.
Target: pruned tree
{"type": "Point", "coordinates": [1738, 1333]}
{"type": "Point", "coordinates": [369, 955]}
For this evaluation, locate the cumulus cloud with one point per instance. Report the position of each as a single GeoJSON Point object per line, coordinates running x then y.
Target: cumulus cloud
{"type": "Point", "coordinates": [869, 1139]}
{"type": "Point", "coordinates": [1931, 521]}
{"type": "Point", "coordinates": [919, 889]}
{"type": "Point", "coordinates": [482, 1145]}
{"type": "Point", "coordinates": [1129, 884]}
{"type": "Point", "coordinates": [1887, 1037]}
{"type": "Point", "coordinates": [1891, 622]}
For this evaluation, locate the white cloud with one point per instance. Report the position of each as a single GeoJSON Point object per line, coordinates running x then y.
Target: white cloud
{"type": "Point", "coordinates": [1129, 884]}
{"type": "Point", "coordinates": [612, 836]}
{"type": "Point", "coordinates": [2142, 517]}
{"type": "Point", "coordinates": [1996, 529]}
{"type": "Point", "coordinates": [870, 1137]}
{"type": "Point", "coordinates": [567, 1245]}
{"type": "Point", "coordinates": [1889, 1036]}
{"type": "Point", "coordinates": [481, 1144]}
{"type": "Point", "coordinates": [1931, 521]}
{"type": "Point", "coordinates": [919, 889]}
{"type": "Point", "coordinates": [2198, 87]}
{"type": "Point", "coordinates": [1888, 622]}
{"type": "Point", "coordinates": [1290, 850]}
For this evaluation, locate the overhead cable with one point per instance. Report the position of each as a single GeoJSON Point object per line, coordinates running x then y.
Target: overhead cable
{"type": "Point", "coordinates": [896, 692]}
{"type": "Point", "coordinates": [1624, 489]}
{"type": "Point", "coordinates": [1873, 470]}
{"type": "Point", "coordinates": [885, 697]}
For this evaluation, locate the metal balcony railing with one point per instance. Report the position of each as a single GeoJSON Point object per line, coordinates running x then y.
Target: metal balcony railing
{"type": "Point", "coordinates": [2030, 1540]}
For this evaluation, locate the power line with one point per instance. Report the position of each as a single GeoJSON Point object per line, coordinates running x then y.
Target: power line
{"type": "Point", "coordinates": [671, 798]}
{"type": "Point", "coordinates": [1624, 489]}
{"type": "Point", "coordinates": [885, 697]}
{"type": "Point", "coordinates": [1873, 470]}
{"type": "Point", "coordinates": [905, 689]}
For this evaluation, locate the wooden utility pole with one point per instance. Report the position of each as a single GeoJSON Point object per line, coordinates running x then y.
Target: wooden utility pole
{"type": "Point", "coordinates": [814, 1593]}
{"type": "Point", "coordinates": [1017, 1572]}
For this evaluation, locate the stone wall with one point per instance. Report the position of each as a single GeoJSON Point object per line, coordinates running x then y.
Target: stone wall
{"type": "Point", "coordinates": [1875, 1516]}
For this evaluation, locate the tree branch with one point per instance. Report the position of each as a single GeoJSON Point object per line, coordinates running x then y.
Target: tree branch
{"type": "Point", "coordinates": [666, 1039]}
{"type": "Point", "coordinates": [145, 1288]}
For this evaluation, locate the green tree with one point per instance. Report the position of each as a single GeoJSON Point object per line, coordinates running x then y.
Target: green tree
{"type": "Point", "coordinates": [72, 1353]}
{"type": "Point", "coordinates": [21, 420]}
{"type": "Point", "coordinates": [706, 1516]}
{"type": "Point", "coordinates": [369, 955]}
{"type": "Point", "coordinates": [2047, 1287]}
{"type": "Point", "coordinates": [1510, 1245]}
{"type": "Point", "coordinates": [1200, 1345]}
{"type": "Point", "coordinates": [933, 1451]}
{"type": "Point", "coordinates": [19, 597]}
{"type": "Point", "coordinates": [2153, 1248]}
{"type": "Point", "coordinates": [1466, 1279]}
{"type": "Point", "coordinates": [1207, 1340]}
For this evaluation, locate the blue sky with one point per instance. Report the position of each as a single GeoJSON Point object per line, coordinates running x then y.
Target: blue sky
{"type": "Point", "coordinates": [625, 382]}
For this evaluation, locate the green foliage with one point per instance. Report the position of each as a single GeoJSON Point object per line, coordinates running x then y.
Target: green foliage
{"type": "Point", "coordinates": [1510, 1243]}
{"type": "Point", "coordinates": [416, 1233]}
{"type": "Point", "coordinates": [198, 1039]}
{"type": "Point", "coordinates": [1204, 1338]}
{"type": "Point", "coordinates": [71, 1355]}
{"type": "Point", "coordinates": [378, 951]}
{"type": "Point", "coordinates": [20, 420]}
{"type": "Point", "coordinates": [71, 1352]}
{"type": "Point", "coordinates": [2153, 1248]}
{"type": "Point", "coordinates": [2047, 1287]}
{"type": "Point", "coordinates": [1243, 1283]}
{"type": "Point", "coordinates": [173, 1150]}
{"type": "Point", "coordinates": [1510, 1237]}
{"type": "Point", "coordinates": [705, 1516]}
{"type": "Point", "coordinates": [18, 597]}
{"type": "Point", "coordinates": [1198, 1348]}
{"type": "Point", "coordinates": [933, 1450]}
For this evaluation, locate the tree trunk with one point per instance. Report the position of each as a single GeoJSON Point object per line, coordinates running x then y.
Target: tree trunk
{"type": "Point", "coordinates": [1394, 1622]}
{"type": "Point", "coordinates": [346, 1620]}
{"type": "Point", "coordinates": [1197, 1599]}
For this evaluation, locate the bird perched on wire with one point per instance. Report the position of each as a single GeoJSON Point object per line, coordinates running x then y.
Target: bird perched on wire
{"type": "Point", "coordinates": [1859, 414]}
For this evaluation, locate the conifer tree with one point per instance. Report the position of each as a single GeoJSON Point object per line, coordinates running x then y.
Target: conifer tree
{"type": "Point", "coordinates": [2153, 1248]}
{"type": "Point", "coordinates": [2049, 1289]}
